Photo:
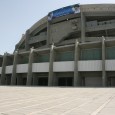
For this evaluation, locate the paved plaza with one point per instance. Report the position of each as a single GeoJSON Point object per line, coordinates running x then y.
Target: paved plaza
{"type": "Point", "coordinates": [56, 101]}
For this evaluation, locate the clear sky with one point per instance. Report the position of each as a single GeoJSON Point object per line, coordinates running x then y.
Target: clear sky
{"type": "Point", "coordinates": [16, 16]}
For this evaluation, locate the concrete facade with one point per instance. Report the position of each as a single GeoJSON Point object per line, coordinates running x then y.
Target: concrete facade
{"type": "Point", "coordinates": [70, 50]}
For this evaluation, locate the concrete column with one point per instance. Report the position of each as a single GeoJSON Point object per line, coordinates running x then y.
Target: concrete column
{"type": "Point", "coordinates": [50, 77]}
{"type": "Point", "coordinates": [27, 40]}
{"type": "Point", "coordinates": [29, 75]}
{"type": "Point", "coordinates": [76, 59]}
{"type": "Point", "coordinates": [104, 77]}
{"type": "Point", "coordinates": [83, 27]}
{"type": "Point", "coordinates": [3, 76]}
{"type": "Point", "coordinates": [13, 78]}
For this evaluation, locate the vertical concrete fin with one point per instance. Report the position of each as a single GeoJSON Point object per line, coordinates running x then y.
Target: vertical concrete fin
{"type": "Point", "coordinates": [3, 77]}
{"type": "Point", "coordinates": [27, 39]}
{"type": "Point", "coordinates": [48, 33]}
{"type": "Point", "coordinates": [50, 77]}
{"type": "Point", "coordinates": [76, 58]}
{"type": "Point", "coordinates": [13, 78]}
{"type": "Point", "coordinates": [29, 75]}
{"type": "Point", "coordinates": [104, 79]}
{"type": "Point", "coordinates": [83, 19]}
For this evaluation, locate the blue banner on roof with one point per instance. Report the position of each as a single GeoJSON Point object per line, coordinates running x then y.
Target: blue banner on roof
{"type": "Point", "coordinates": [64, 11]}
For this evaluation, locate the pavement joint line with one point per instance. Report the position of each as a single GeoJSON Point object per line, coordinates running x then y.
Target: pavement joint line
{"type": "Point", "coordinates": [78, 107]}
{"type": "Point", "coordinates": [97, 95]}
{"type": "Point", "coordinates": [102, 106]}
{"type": "Point", "coordinates": [61, 104]}
{"type": "Point", "coordinates": [75, 108]}
{"type": "Point", "coordinates": [26, 97]}
{"type": "Point", "coordinates": [34, 105]}
{"type": "Point", "coordinates": [51, 107]}
{"type": "Point", "coordinates": [12, 98]}
{"type": "Point", "coordinates": [29, 100]}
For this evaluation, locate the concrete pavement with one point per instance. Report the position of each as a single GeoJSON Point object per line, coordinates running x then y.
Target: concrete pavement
{"type": "Point", "coordinates": [56, 101]}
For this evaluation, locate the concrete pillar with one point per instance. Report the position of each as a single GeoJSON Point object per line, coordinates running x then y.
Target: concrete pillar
{"type": "Point", "coordinates": [3, 76]}
{"type": "Point", "coordinates": [104, 77]}
{"type": "Point", "coordinates": [27, 40]}
{"type": "Point", "coordinates": [13, 78]}
{"type": "Point", "coordinates": [50, 77]}
{"type": "Point", "coordinates": [29, 75]}
{"type": "Point", "coordinates": [76, 59]}
{"type": "Point", "coordinates": [83, 27]}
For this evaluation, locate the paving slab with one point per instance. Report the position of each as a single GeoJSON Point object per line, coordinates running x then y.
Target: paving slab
{"type": "Point", "coordinates": [56, 101]}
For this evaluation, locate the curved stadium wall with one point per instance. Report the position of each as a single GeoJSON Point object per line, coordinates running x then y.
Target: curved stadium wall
{"type": "Point", "coordinates": [71, 46]}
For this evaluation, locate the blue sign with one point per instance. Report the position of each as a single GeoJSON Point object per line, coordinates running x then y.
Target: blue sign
{"type": "Point", "coordinates": [64, 11]}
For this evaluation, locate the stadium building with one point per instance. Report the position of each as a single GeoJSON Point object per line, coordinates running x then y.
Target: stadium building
{"type": "Point", "coordinates": [71, 46]}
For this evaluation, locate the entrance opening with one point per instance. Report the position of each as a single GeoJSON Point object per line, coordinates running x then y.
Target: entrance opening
{"type": "Point", "coordinates": [93, 81]}
{"type": "Point", "coordinates": [111, 81]}
{"type": "Point", "coordinates": [43, 81]}
{"type": "Point", "coordinates": [8, 79]}
{"type": "Point", "coordinates": [0, 77]}
{"type": "Point", "coordinates": [21, 80]}
{"type": "Point", "coordinates": [24, 81]}
{"type": "Point", "coordinates": [65, 81]}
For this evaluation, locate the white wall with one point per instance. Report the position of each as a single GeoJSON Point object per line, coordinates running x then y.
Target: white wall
{"type": "Point", "coordinates": [0, 70]}
{"type": "Point", "coordinates": [22, 68]}
{"type": "Point", "coordinates": [63, 66]}
{"type": "Point", "coordinates": [9, 69]}
{"type": "Point", "coordinates": [90, 65]}
{"type": "Point", "coordinates": [68, 66]}
{"type": "Point", "coordinates": [110, 65]}
{"type": "Point", "coordinates": [40, 67]}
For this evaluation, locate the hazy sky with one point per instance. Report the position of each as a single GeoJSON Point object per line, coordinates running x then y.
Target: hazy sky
{"type": "Point", "coordinates": [16, 16]}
